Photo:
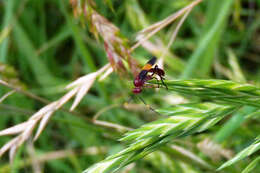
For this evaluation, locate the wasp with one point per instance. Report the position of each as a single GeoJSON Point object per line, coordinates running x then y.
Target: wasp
{"type": "Point", "coordinates": [147, 73]}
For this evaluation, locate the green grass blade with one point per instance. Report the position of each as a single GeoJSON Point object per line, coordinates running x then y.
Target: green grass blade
{"type": "Point", "coordinates": [63, 34]}
{"type": "Point", "coordinates": [86, 56]}
{"type": "Point", "coordinates": [6, 23]}
{"type": "Point", "coordinates": [136, 15]}
{"type": "Point", "coordinates": [233, 124]}
{"type": "Point", "coordinates": [39, 69]}
{"type": "Point", "coordinates": [252, 165]}
{"type": "Point", "coordinates": [243, 154]}
{"type": "Point", "coordinates": [201, 60]}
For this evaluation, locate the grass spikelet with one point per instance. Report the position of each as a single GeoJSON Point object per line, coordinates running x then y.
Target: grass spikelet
{"type": "Point", "coordinates": [183, 120]}
{"type": "Point", "coordinates": [24, 130]}
{"type": "Point", "coordinates": [217, 90]}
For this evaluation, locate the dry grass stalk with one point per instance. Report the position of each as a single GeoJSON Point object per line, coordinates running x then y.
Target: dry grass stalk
{"type": "Point", "coordinates": [36, 165]}
{"type": "Point", "coordinates": [148, 32]}
{"type": "Point", "coordinates": [112, 125]}
{"type": "Point", "coordinates": [55, 155]}
{"type": "Point", "coordinates": [193, 157]}
{"type": "Point", "coordinates": [24, 130]}
{"type": "Point", "coordinates": [214, 150]}
{"type": "Point", "coordinates": [6, 95]}
{"type": "Point", "coordinates": [150, 46]}
{"type": "Point", "coordinates": [116, 46]}
{"type": "Point", "coordinates": [24, 111]}
{"type": "Point", "coordinates": [19, 90]}
{"type": "Point", "coordinates": [175, 32]}
{"type": "Point", "coordinates": [159, 47]}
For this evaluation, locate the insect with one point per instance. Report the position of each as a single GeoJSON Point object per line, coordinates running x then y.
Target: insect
{"type": "Point", "coordinates": [147, 73]}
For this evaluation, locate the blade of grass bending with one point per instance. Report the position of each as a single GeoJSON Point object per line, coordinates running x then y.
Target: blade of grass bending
{"type": "Point", "coordinates": [203, 56]}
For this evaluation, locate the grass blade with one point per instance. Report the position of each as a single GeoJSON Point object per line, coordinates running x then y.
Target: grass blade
{"type": "Point", "coordinates": [203, 56]}
{"type": "Point", "coordinates": [252, 165]}
{"type": "Point", "coordinates": [243, 154]}
{"type": "Point", "coordinates": [6, 24]}
{"type": "Point", "coordinates": [233, 124]}
{"type": "Point", "coordinates": [39, 69]}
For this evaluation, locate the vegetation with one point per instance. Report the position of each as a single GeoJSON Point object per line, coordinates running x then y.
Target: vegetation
{"type": "Point", "coordinates": [66, 85]}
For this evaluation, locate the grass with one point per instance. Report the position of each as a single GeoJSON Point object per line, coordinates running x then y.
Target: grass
{"type": "Point", "coordinates": [64, 110]}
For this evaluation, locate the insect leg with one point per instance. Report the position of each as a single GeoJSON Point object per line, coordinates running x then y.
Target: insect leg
{"type": "Point", "coordinates": [163, 82]}
{"type": "Point", "coordinates": [148, 106]}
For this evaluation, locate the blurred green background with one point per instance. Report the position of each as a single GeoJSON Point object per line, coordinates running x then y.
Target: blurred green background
{"type": "Point", "coordinates": [43, 48]}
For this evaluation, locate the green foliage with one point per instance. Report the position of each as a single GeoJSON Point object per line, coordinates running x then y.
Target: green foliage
{"type": "Point", "coordinates": [203, 56]}
{"type": "Point", "coordinates": [43, 47]}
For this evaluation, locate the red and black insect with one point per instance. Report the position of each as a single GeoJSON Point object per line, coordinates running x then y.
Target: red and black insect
{"type": "Point", "coordinates": [147, 73]}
